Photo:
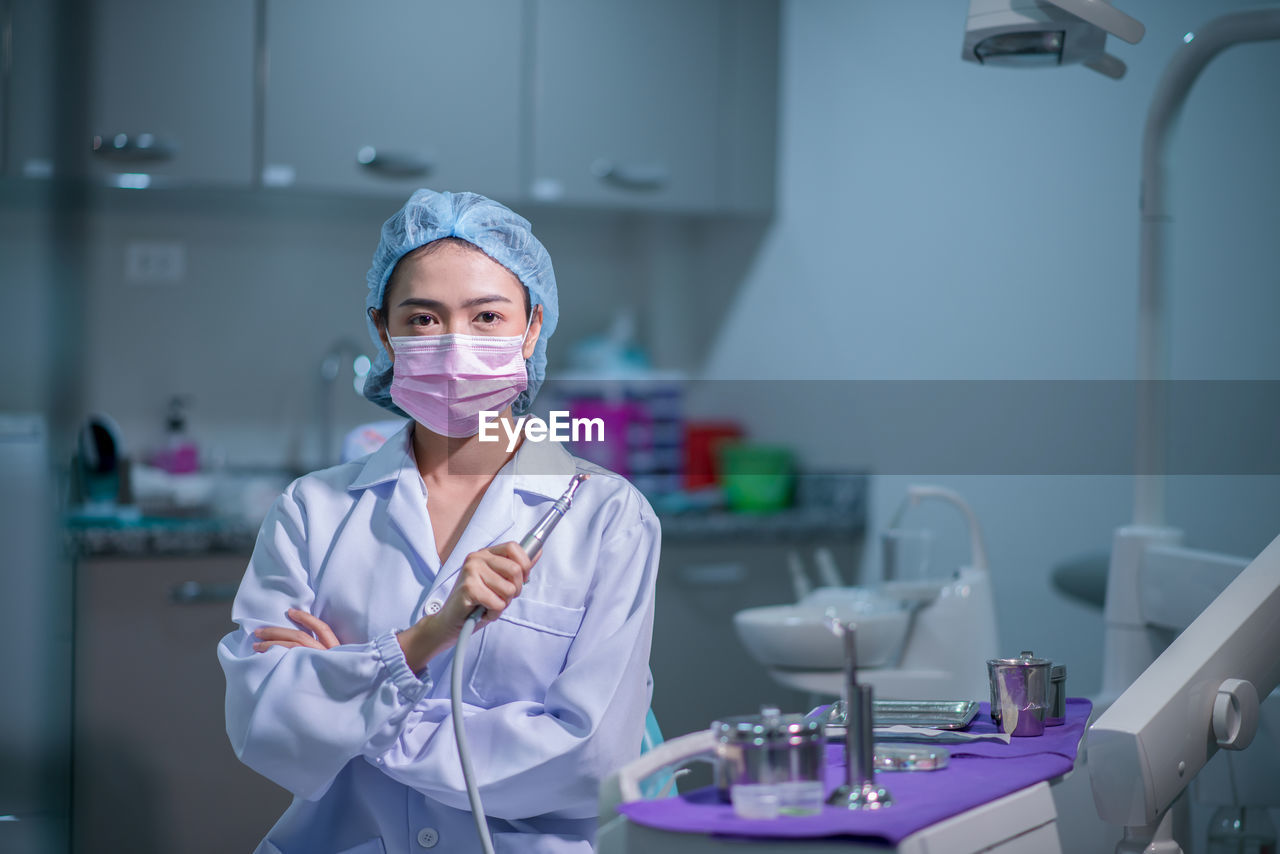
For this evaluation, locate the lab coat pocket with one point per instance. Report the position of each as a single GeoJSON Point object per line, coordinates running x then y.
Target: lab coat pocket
{"type": "Point", "coordinates": [539, 843]}
{"type": "Point", "coordinates": [523, 651]}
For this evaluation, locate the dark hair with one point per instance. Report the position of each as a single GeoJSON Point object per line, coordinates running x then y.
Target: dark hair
{"type": "Point", "coordinates": [431, 248]}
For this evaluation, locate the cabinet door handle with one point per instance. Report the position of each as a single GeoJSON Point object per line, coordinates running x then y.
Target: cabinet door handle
{"type": "Point", "coordinates": [394, 164]}
{"type": "Point", "coordinates": [713, 575]}
{"type": "Point", "coordinates": [631, 176]}
{"type": "Point", "coordinates": [195, 593]}
{"type": "Point", "coordinates": [135, 148]}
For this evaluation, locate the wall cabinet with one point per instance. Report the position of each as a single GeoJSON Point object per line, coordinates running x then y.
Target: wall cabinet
{"type": "Point", "coordinates": [171, 92]}
{"type": "Point", "coordinates": [625, 102]}
{"type": "Point", "coordinates": [27, 49]}
{"type": "Point", "coordinates": [390, 95]}
{"type": "Point", "coordinates": [665, 105]}
{"type": "Point", "coordinates": [6, 65]}
{"type": "Point", "coordinates": [153, 770]}
{"type": "Point", "coordinates": [636, 104]}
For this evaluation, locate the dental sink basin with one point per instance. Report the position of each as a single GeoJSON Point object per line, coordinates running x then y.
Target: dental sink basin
{"type": "Point", "coordinates": [801, 636]}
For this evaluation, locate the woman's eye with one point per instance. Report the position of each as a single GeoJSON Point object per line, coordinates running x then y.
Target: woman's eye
{"type": "Point", "coordinates": [421, 320]}
{"type": "Point", "coordinates": [488, 317]}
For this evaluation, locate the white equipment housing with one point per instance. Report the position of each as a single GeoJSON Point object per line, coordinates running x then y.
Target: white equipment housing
{"type": "Point", "coordinates": [1202, 693]}
{"type": "Point", "coordinates": [1028, 33]}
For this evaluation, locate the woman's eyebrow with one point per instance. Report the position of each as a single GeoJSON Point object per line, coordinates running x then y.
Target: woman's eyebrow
{"type": "Point", "coordinates": [491, 298]}
{"type": "Point", "coordinates": [422, 302]}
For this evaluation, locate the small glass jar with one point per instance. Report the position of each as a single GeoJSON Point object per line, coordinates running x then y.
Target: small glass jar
{"type": "Point", "coordinates": [771, 755]}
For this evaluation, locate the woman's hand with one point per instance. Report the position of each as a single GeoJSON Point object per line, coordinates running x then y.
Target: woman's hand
{"type": "Point", "coordinates": [489, 578]}
{"type": "Point", "coordinates": [317, 636]}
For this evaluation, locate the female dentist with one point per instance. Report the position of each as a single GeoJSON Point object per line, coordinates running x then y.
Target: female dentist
{"type": "Point", "coordinates": [362, 575]}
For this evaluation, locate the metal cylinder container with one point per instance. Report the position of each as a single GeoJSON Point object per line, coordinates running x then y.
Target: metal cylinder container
{"type": "Point", "coordinates": [1019, 693]}
{"type": "Point", "coordinates": [1056, 714]}
{"type": "Point", "coordinates": [768, 748]}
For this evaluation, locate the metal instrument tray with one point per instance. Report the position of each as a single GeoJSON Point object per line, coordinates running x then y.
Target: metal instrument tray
{"type": "Point", "coordinates": [935, 714]}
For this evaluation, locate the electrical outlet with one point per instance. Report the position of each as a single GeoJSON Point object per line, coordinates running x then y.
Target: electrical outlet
{"type": "Point", "coordinates": [155, 262]}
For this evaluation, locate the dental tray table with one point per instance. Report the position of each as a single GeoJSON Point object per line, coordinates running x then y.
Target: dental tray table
{"type": "Point", "coordinates": [988, 787]}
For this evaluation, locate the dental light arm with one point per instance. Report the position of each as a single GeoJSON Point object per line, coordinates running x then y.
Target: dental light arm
{"type": "Point", "coordinates": [1202, 693]}
{"type": "Point", "coordinates": [1106, 17]}
{"type": "Point", "coordinates": [1171, 93]}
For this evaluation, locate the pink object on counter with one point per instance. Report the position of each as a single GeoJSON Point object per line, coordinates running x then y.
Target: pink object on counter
{"type": "Point", "coordinates": [179, 459]}
{"type": "Point", "coordinates": [627, 427]}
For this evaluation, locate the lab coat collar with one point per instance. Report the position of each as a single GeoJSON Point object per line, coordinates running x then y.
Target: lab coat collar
{"type": "Point", "coordinates": [386, 463]}
{"type": "Point", "coordinates": [540, 468]}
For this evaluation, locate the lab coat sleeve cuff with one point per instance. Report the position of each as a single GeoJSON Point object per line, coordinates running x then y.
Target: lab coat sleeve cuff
{"type": "Point", "coordinates": [411, 688]}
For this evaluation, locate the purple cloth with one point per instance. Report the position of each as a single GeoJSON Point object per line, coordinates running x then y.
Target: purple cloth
{"type": "Point", "coordinates": [977, 774]}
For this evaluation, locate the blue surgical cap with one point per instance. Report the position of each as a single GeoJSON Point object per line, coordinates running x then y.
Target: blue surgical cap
{"type": "Point", "coordinates": [497, 231]}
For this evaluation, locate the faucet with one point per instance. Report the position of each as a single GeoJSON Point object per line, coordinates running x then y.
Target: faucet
{"type": "Point", "coordinates": [330, 368]}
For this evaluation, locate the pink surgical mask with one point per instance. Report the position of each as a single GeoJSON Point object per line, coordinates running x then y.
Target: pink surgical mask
{"type": "Point", "coordinates": [445, 381]}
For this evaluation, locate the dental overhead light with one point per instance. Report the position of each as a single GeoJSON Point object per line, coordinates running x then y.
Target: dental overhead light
{"type": "Point", "coordinates": [1036, 33]}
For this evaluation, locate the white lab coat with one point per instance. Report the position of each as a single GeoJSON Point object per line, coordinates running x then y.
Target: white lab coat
{"type": "Point", "coordinates": [556, 691]}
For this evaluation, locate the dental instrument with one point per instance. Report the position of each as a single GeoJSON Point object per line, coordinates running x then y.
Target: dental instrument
{"type": "Point", "coordinates": [532, 543]}
{"type": "Point", "coordinates": [828, 572]}
{"type": "Point", "coordinates": [799, 581]}
{"type": "Point", "coordinates": [859, 790]}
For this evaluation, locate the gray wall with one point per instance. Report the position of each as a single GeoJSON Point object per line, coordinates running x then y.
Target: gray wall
{"type": "Point", "coordinates": [270, 286]}
{"type": "Point", "coordinates": [940, 220]}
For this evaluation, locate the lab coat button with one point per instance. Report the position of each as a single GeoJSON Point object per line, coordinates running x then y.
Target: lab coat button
{"type": "Point", "coordinates": [427, 837]}
{"type": "Point", "coordinates": [434, 607]}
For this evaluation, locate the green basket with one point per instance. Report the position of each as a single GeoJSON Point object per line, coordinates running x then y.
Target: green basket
{"type": "Point", "coordinates": [756, 478]}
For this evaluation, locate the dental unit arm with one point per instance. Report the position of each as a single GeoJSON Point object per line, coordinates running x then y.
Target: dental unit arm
{"type": "Point", "coordinates": [1201, 694]}
{"type": "Point", "coordinates": [532, 543]}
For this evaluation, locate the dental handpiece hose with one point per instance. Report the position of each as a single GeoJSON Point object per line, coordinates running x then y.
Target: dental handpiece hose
{"type": "Point", "coordinates": [532, 543]}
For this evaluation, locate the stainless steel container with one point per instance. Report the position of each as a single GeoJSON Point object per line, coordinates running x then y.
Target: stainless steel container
{"type": "Point", "coordinates": [1056, 714]}
{"type": "Point", "coordinates": [768, 748]}
{"type": "Point", "coordinates": [1019, 693]}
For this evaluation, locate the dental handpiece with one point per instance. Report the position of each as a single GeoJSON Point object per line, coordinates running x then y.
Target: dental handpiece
{"type": "Point", "coordinates": [532, 544]}
{"type": "Point", "coordinates": [533, 541]}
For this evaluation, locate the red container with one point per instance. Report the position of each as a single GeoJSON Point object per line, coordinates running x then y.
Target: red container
{"type": "Point", "coordinates": [701, 438]}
